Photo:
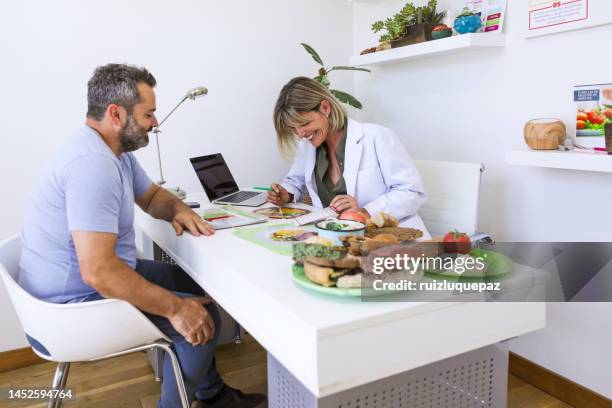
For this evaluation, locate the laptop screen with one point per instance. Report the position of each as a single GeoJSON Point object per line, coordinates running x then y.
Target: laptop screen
{"type": "Point", "coordinates": [214, 175]}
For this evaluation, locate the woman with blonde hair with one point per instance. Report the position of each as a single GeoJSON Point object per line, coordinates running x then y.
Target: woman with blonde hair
{"type": "Point", "coordinates": [340, 162]}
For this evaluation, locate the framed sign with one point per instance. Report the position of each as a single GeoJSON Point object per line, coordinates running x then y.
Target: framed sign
{"type": "Point", "coordinates": [550, 17]}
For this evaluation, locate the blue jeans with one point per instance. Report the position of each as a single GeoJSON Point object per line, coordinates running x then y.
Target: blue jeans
{"type": "Point", "coordinates": [197, 363]}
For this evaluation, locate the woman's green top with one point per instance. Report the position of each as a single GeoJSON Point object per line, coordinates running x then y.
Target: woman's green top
{"type": "Point", "coordinates": [325, 188]}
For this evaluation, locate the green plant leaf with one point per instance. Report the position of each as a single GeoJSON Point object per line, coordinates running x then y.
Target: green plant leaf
{"type": "Point", "coordinates": [346, 98]}
{"type": "Point", "coordinates": [323, 79]}
{"type": "Point", "coordinates": [313, 53]}
{"type": "Point", "coordinates": [345, 68]}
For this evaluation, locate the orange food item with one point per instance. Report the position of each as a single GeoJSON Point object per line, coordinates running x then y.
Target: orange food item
{"type": "Point", "coordinates": [353, 215]}
{"type": "Point", "coordinates": [580, 124]}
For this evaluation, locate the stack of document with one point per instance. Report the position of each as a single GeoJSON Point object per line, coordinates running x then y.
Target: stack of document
{"type": "Point", "coordinates": [229, 217]}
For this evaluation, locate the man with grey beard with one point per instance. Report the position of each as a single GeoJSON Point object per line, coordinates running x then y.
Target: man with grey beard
{"type": "Point", "coordinates": [78, 240]}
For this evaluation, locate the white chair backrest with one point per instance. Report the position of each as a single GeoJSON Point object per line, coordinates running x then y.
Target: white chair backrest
{"type": "Point", "coordinates": [452, 195]}
{"type": "Point", "coordinates": [74, 331]}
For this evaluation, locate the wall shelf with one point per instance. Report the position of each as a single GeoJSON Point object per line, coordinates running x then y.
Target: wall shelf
{"type": "Point", "coordinates": [450, 45]}
{"type": "Point", "coordinates": [560, 160]}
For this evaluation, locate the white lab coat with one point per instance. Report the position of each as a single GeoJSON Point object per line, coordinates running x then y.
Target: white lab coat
{"type": "Point", "coordinates": [377, 170]}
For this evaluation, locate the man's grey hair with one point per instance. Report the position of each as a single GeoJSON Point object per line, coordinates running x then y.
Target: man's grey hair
{"type": "Point", "coordinates": [117, 84]}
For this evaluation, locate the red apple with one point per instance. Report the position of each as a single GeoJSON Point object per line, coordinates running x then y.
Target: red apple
{"type": "Point", "coordinates": [353, 215]}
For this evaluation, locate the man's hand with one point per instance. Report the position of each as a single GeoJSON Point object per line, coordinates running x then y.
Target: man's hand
{"type": "Point", "coordinates": [186, 219]}
{"type": "Point", "coordinates": [161, 204]}
{"type": "Point", "coordinates": [344, 202]}
{"type": "Point", "coordinates": [193, 321]}
{"type": "Point", "coordinates": [278, 195]}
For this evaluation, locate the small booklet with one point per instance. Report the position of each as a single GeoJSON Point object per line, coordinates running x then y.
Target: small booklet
{"type": "Point", "coordinates": [316, 216]}
{"type": "Point", "coordinates": [229, 217]}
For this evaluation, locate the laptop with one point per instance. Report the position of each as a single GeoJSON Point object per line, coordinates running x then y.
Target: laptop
{"type": "Point", "coordinates": [219, 184]}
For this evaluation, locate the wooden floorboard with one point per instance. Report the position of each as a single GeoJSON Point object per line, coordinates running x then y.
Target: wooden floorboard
{"type": "Point", "coordinates": [128, 381]}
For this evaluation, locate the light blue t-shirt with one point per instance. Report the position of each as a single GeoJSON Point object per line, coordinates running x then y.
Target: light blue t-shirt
{"type": "Point", "coordinates": [86, 188]}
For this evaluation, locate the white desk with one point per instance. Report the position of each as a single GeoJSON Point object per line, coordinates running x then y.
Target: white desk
{"type": "Point", "coordinates": [333, 344]}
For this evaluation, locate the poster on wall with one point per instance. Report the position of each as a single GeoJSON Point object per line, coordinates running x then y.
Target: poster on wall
{"type": "Point", "coordinates": [550, 17]}
{"type": "Point", "coordinates": [492, 13]}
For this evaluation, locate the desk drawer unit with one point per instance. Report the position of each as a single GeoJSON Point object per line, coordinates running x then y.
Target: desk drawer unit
{"type": "Point", "coordinates": [476, 379]}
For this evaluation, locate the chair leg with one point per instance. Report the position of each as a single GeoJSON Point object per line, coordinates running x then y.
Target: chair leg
{"type": "Point", "coordinates": [178, 375]}
{"type": "Point", "coordinates": [59, 383]}
{"type": "Point", "coordinates": [59, 401]}
{"type": "Point", "coordinates": [237, 333]}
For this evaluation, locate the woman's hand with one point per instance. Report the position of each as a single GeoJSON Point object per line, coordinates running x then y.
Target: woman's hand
{"type": "Point", "coordinates": [278, 195]}
{"type": "Point", "coordinates": [344, 202]}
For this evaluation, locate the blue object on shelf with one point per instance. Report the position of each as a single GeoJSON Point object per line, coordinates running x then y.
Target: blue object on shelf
{"type": "Point", "coordinates": [467, 24]}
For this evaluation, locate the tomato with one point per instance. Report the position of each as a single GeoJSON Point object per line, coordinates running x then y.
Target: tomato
{"type": "Point", "coordinates": [595, 117]}
{"type": "Point", "coordinates": [456, 242]}
{"type": "Point", "coordinates": [580, 124]}
{"type": "Point", "coordinates": [353, 215]}
{"type": "Point", "coordinates": [582, 116]}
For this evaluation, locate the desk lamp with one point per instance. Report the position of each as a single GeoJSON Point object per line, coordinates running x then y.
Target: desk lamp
{"type": "Point", "coordinates": [192, 94]}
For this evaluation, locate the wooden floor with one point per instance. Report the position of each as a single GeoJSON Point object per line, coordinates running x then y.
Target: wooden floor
{"type": "Point", "coordinates": [128, 381]}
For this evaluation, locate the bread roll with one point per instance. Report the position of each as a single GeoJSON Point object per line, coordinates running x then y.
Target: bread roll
{"type": "Point", "coordinates": [318, 274]}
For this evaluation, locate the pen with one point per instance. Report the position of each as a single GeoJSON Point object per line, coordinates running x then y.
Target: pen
{"type": "Point", "coordinates": [262, 188]}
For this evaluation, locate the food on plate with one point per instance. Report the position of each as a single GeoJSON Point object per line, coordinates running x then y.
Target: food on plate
{"type": "Point", "coordinates": [327, 276]}
{"type": "Point", "coordinates": [401, 233]}
{"type": "Point", "coordinates": [318, 274]}
{"type": "Point", "coordinates": [456, 242]}
{"type": "Point", "coordinates": [353, 215]}
{"type": "Point", "coordinates": [292, 235]}
{"type": "Point", "coordinates": [324, 265]}
{"type": "Point", "coordinates": [412, 249]}
{"type": "Point", "coordinates": [302, 250]}
{"type": "Point", "coordinates": [360, 246]}
{"type": "Point", "coordinates": [349, 281]}
{"type": "Point", "coordinates": [347, 262]}
{"type": "Point", "coordinates": [381, 220]}
{"type": "Point", "coordinates": [317, 239]}
{"type": "Point", "coordinates": [580, 124]}
{"type": "Point", "coordinates": [339, 226]}
{"type": "Point", "coordinates": [281, 212]}
{"type": "Point", "coordinates": [385, 237]}
{"type": "Point", "coordinates": [581, 116]}
{"type": "Point", "coordinates": [353, 244]}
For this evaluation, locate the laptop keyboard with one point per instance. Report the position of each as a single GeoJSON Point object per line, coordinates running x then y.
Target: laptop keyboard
{"type": "Point", "coordinates": [240, 196]}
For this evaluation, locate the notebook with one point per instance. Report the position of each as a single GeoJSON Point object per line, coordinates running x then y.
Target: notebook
{"type": "Point", "coordinates": [316, 216]}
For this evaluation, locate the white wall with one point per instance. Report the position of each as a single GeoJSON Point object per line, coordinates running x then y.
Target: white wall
{"type": "Point", "coordinates": [472, 107]}
{"type": "Point", "coordinates": [242, 50]}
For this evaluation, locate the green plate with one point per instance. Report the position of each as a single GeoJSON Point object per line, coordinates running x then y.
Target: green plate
{"type": "Point", "coordinates": [300, 278]}
{"type": "Point", "coordinates": [497, 265]}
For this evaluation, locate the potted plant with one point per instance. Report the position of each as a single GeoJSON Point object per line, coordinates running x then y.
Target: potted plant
{"type": "Point", "coordinates": [324, 79]}
{"type": "Point", "coordinates": [410, 26]}
{"type": "Point", "coordinates": [467, 22]}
